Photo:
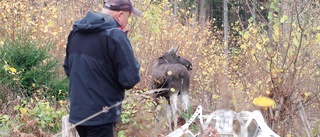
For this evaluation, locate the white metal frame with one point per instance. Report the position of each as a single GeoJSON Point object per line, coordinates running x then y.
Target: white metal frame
{"type": "Point", "coordinates": [224, 123]}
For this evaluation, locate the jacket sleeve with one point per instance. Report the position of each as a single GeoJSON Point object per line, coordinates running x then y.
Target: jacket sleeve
{"type": "Point", "coordinates": [65, 64]}
{"type": "Point", "coordinates": [125, 62]}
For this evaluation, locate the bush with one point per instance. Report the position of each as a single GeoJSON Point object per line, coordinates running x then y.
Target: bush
{"type": "Point", "coordinates": [42, 115]}
{"type": "Point", "coordinates": [30, 68]}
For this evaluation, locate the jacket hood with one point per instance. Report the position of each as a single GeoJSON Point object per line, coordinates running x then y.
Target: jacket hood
{"type": "Point", "coordinates": [95, 22]}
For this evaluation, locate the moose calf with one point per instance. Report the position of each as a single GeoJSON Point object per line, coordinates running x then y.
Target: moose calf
{"type": "Point", "coordinates": [171, 73]}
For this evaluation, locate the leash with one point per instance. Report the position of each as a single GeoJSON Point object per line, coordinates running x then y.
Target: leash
{"type": "Point", "coordinates": [104, 110]}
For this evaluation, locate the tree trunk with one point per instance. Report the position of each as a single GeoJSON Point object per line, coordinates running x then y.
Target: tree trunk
{"type": "Point", "coordinates": [254, 8]}
{"type": "Point", "coordinates": [226, 94]}
{"type": "Point", "coordinates": [175, 7]}
{"type": "Point", "coordinates": [202, 16]}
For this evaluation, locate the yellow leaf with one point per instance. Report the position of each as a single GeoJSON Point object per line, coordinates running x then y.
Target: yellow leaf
{"type": "Point", "coordinates": [258, 46]}
{"type": "Point", "coordinates": [204, 73]}
{"type": "Point", "coordinates": [13, 70]}
{"type": "Point", "coordinates": [16, 79]}
{"type": "Point", "coordinates": [295, 42]}
{"type": "Point", "coordinates": [252, 52]}
{"type": "Point", "coordinates": [6, 67]}
{"type": "Point", "coordinates": [215, 96]}
{"type": "Point", "coordinates": [276, 36]}
{"type": "Point", "coordinates": [54, 33]}
{"type": "Point", "coordinates": [158, 107]}
{"type": "Point", "coordinates": [254, 31]}
{"type": "Point", "coordinates": [172, 90]}
{"type": "Point", "coordinates": [47, 106]}
{"type": "Point", "coordinates": [268, 92]}
{"type": "Point", "coordinates": [160, 101]}
{"type": "Point", "coordinates": [263, 102]}
{"type": "Point", "coordinates": [23, 110]}
{"type": "Point", "coordinates": [318, 36]}
{"type": "Point", "coordinates": [274, 73]}
{"type": "Point", "coordinates": [246, 35]}
{"type": "Point", "coordinates": [169, 73]}
{"type": "Point", "coordinates": [243, 46]}
{"type": "Point", "coordinates": [142, 69]}
{"type": "Point", "coordinates": [283, 19]}
{"type": "Point", "coordinates": [307, 94]}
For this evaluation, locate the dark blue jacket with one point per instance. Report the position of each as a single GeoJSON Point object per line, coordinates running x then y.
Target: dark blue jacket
{"type": "Point", "coordinates": [100, 65]}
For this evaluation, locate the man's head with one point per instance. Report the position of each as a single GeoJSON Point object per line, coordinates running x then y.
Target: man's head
{"type": "Point", "coordinates": [120, 10]}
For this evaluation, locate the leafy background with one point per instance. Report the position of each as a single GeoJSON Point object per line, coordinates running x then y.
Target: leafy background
{"type": "Point", "coordinates": [274, 55]}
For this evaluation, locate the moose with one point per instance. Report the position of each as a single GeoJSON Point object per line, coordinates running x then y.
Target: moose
{"type": "Point", "coordinates": [170, 74]}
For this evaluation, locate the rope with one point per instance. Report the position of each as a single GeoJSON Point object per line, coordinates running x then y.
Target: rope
{"type": "Point", "coordinates": [104, 110]}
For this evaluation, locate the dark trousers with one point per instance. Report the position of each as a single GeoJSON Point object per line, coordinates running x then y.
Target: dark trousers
{"type": "Point", "coordinates": [106, 130]}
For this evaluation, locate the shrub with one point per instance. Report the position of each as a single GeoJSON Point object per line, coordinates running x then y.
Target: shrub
{"type": "Point", "coordinates": [40, 114]}
{"type": "Point", "coordinates": [30, 68]}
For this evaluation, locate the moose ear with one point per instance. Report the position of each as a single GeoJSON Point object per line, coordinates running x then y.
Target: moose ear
{"type": "Point", "coordinates": [177, 47]}
{"type": "Point", "coordinates": [174, 49]}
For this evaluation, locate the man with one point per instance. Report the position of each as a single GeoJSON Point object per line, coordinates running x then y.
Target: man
{"type": "Point", "coordinates": [100, 65]}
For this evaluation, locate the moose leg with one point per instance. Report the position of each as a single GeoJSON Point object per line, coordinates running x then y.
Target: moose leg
{"type": "Point", "coordinates": [169, 115]}
{"type": "Point", "coordinates": [185, 100]}
{"type": "Point", "coordinates": [185, 93]}
{"type": "Point", "coordinates": [174, 108]}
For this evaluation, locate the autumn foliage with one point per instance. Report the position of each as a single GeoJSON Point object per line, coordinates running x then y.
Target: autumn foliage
{"type": "Point", "coordinates": [276, 60]}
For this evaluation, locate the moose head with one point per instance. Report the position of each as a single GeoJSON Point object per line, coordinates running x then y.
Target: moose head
{"type": "Point", "coordinates": [172, 57]}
